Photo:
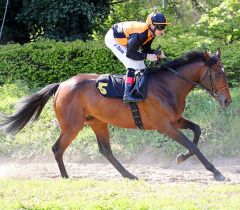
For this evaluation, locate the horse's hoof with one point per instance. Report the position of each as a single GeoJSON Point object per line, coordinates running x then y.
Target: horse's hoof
{"type": "Point", "coordinates": [132, 177]}
{"type": "Point", "coordinates": [65, 176]}
{"type": "Point", "coordinates": [219, 177]}
{"type": "Point", "coordinates": [180, 158]}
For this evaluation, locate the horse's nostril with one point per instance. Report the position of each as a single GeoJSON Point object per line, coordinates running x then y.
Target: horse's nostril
{"type": "Point", "coordinates": [228, 101]}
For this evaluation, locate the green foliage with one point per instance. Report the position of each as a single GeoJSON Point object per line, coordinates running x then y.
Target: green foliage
{"type": "Point", "coordinates": [231, 60]}
{"type": "Point", "coordinates": [222, 22]}
{"type": "Point", "coordinates": [13, 30]}
{"type": "Point", "coordinates": [48, 61]}
{"type": "Point", "coordinates": [64, 20]}
{"type": "Point", "coordinates": [118, 13]}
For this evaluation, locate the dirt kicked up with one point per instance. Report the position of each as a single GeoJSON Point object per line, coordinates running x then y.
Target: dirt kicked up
{"type": "Point", "coordinates": [162, 171]}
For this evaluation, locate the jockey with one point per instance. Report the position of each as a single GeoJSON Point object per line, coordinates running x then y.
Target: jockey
{"type": "Point", "coordinates": [125, 39]}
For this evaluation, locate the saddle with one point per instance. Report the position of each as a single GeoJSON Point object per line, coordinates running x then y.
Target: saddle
{"type": "Point", "coordinates": [113, 85]}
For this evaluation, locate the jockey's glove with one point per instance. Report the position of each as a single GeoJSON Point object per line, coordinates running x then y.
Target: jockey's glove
{"type": "Point", "coordinates": [152, 57]}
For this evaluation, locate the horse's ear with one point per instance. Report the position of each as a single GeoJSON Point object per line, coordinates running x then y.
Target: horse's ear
{"type": "Point", "coordinates": [207, 56]}
{"type": "Point", "coordinates": [218, 53]}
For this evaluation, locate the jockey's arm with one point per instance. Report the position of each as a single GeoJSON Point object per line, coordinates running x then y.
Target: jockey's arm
{"type": "Point", "coordinates": [147, 47]}
{"type": "Point", "coordinates": [133, 46]}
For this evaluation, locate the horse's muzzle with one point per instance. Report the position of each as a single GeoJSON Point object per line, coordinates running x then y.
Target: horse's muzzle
{"type": "Point", "coordinates": [224, 102]}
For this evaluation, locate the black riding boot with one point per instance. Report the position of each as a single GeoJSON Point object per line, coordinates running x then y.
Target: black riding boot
{"type": "Point", "coordinates": [127, 97]}
{"type": "Point", "coordinates": [129, 83]}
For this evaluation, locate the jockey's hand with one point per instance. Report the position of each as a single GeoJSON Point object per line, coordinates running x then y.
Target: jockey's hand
{"type": "Point", "coordinates": [152, 57]}
{"type": "Point", "coordinates": [161, 55]}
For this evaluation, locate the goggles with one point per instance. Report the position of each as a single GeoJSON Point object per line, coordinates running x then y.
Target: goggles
{"type": "Point", "coordinates": [160, 27]}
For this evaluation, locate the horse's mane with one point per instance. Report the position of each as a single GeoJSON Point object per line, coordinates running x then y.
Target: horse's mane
{"type": "Point", "coordinates": [190, 57]}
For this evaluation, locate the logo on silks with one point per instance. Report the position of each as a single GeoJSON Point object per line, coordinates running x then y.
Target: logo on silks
{"type": "Point", "coordinates": [119, 48]}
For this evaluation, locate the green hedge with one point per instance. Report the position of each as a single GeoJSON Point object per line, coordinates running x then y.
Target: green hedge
{"type": "Point", "coordinates": [48, 61]}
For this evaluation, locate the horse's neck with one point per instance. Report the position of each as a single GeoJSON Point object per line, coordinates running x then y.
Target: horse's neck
{"type": "Point", "coordinates": [192, 73]}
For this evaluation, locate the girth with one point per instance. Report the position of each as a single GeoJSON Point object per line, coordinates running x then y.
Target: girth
{"type": "Point", "coordinates": [136, 115]}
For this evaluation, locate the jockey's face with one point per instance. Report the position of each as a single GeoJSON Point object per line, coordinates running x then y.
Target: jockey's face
{"type": "Point", "coordinates": [159, 33]}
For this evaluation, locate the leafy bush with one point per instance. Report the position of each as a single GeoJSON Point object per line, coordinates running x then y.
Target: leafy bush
{"type": "Point", "coordinates": [136, 11]}
{"type": "Point", "coordinates": [64, 20]}
{"type": "Point", "coordinates": [222, 22]}
{"type": "Point", "coordinates": [48, 61]}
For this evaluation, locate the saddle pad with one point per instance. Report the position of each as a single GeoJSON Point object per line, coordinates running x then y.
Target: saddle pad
{"type": "Point", "coordinates": [111, 85]}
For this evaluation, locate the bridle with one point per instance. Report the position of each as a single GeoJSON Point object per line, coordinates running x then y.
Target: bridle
{"type": "Point", "coordinates": [212, 90]}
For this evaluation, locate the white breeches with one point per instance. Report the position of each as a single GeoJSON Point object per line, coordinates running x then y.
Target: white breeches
{"type": "Point", "coordinates": [120, 51]}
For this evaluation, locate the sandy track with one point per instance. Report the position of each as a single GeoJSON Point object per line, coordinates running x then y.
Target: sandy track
{"type": "Point", "coordinates": [163, 171]}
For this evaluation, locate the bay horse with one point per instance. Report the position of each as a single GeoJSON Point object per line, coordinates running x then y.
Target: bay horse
{"type": "Point", "coordinates": [77, 102]}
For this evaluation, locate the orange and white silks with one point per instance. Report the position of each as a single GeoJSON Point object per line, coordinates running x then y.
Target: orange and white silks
{"type": "Point", "coordinates": [124, 29]}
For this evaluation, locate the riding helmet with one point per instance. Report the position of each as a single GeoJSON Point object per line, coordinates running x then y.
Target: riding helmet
{"type": "Point", "coordinates": [156, 19]}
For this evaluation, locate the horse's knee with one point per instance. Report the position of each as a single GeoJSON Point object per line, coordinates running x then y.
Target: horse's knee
{"type": "Point", "coordinates": [55, 148]}
{"type": "Point", "coordinates": [197, 130]}
{"type": "Point", "coordinates": [56, 151]}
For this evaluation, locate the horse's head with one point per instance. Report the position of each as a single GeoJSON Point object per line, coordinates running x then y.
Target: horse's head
{"type": "Point", "coordinates": [215, 79]}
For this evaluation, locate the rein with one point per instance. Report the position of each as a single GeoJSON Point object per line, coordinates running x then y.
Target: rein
{"type": "Point", "coordinates": [199, 85]}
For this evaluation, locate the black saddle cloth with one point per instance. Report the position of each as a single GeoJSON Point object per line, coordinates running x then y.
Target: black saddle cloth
{"type": "Point", "coordinates": [113, 86]}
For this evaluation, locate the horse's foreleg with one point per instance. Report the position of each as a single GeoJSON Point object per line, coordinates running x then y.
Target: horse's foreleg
{"type": "Point", "coordinates": [102, 133]}
{"type": "Point", "coordinates": [59, 148]}
{"type": "Point", "coordinates": [178, 136]}
{"type": "Point", "coordinates": [186, 124]}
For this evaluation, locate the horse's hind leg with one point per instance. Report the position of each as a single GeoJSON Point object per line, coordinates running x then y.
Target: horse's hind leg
{"type": "Point", "coordinates": [59, 148]}
{"type": "Point", "coordinates": [186, 124]}
{"type": "Point", "coordinates": [70, 116]}
{"type": "Point", "coordinates": [70, 125]}
{"type": "Point", "coordinates": [102, 133]}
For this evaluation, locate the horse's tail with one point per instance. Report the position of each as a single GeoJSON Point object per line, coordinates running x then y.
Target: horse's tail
{"type": "Point", "coordinates": [28, 109]}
